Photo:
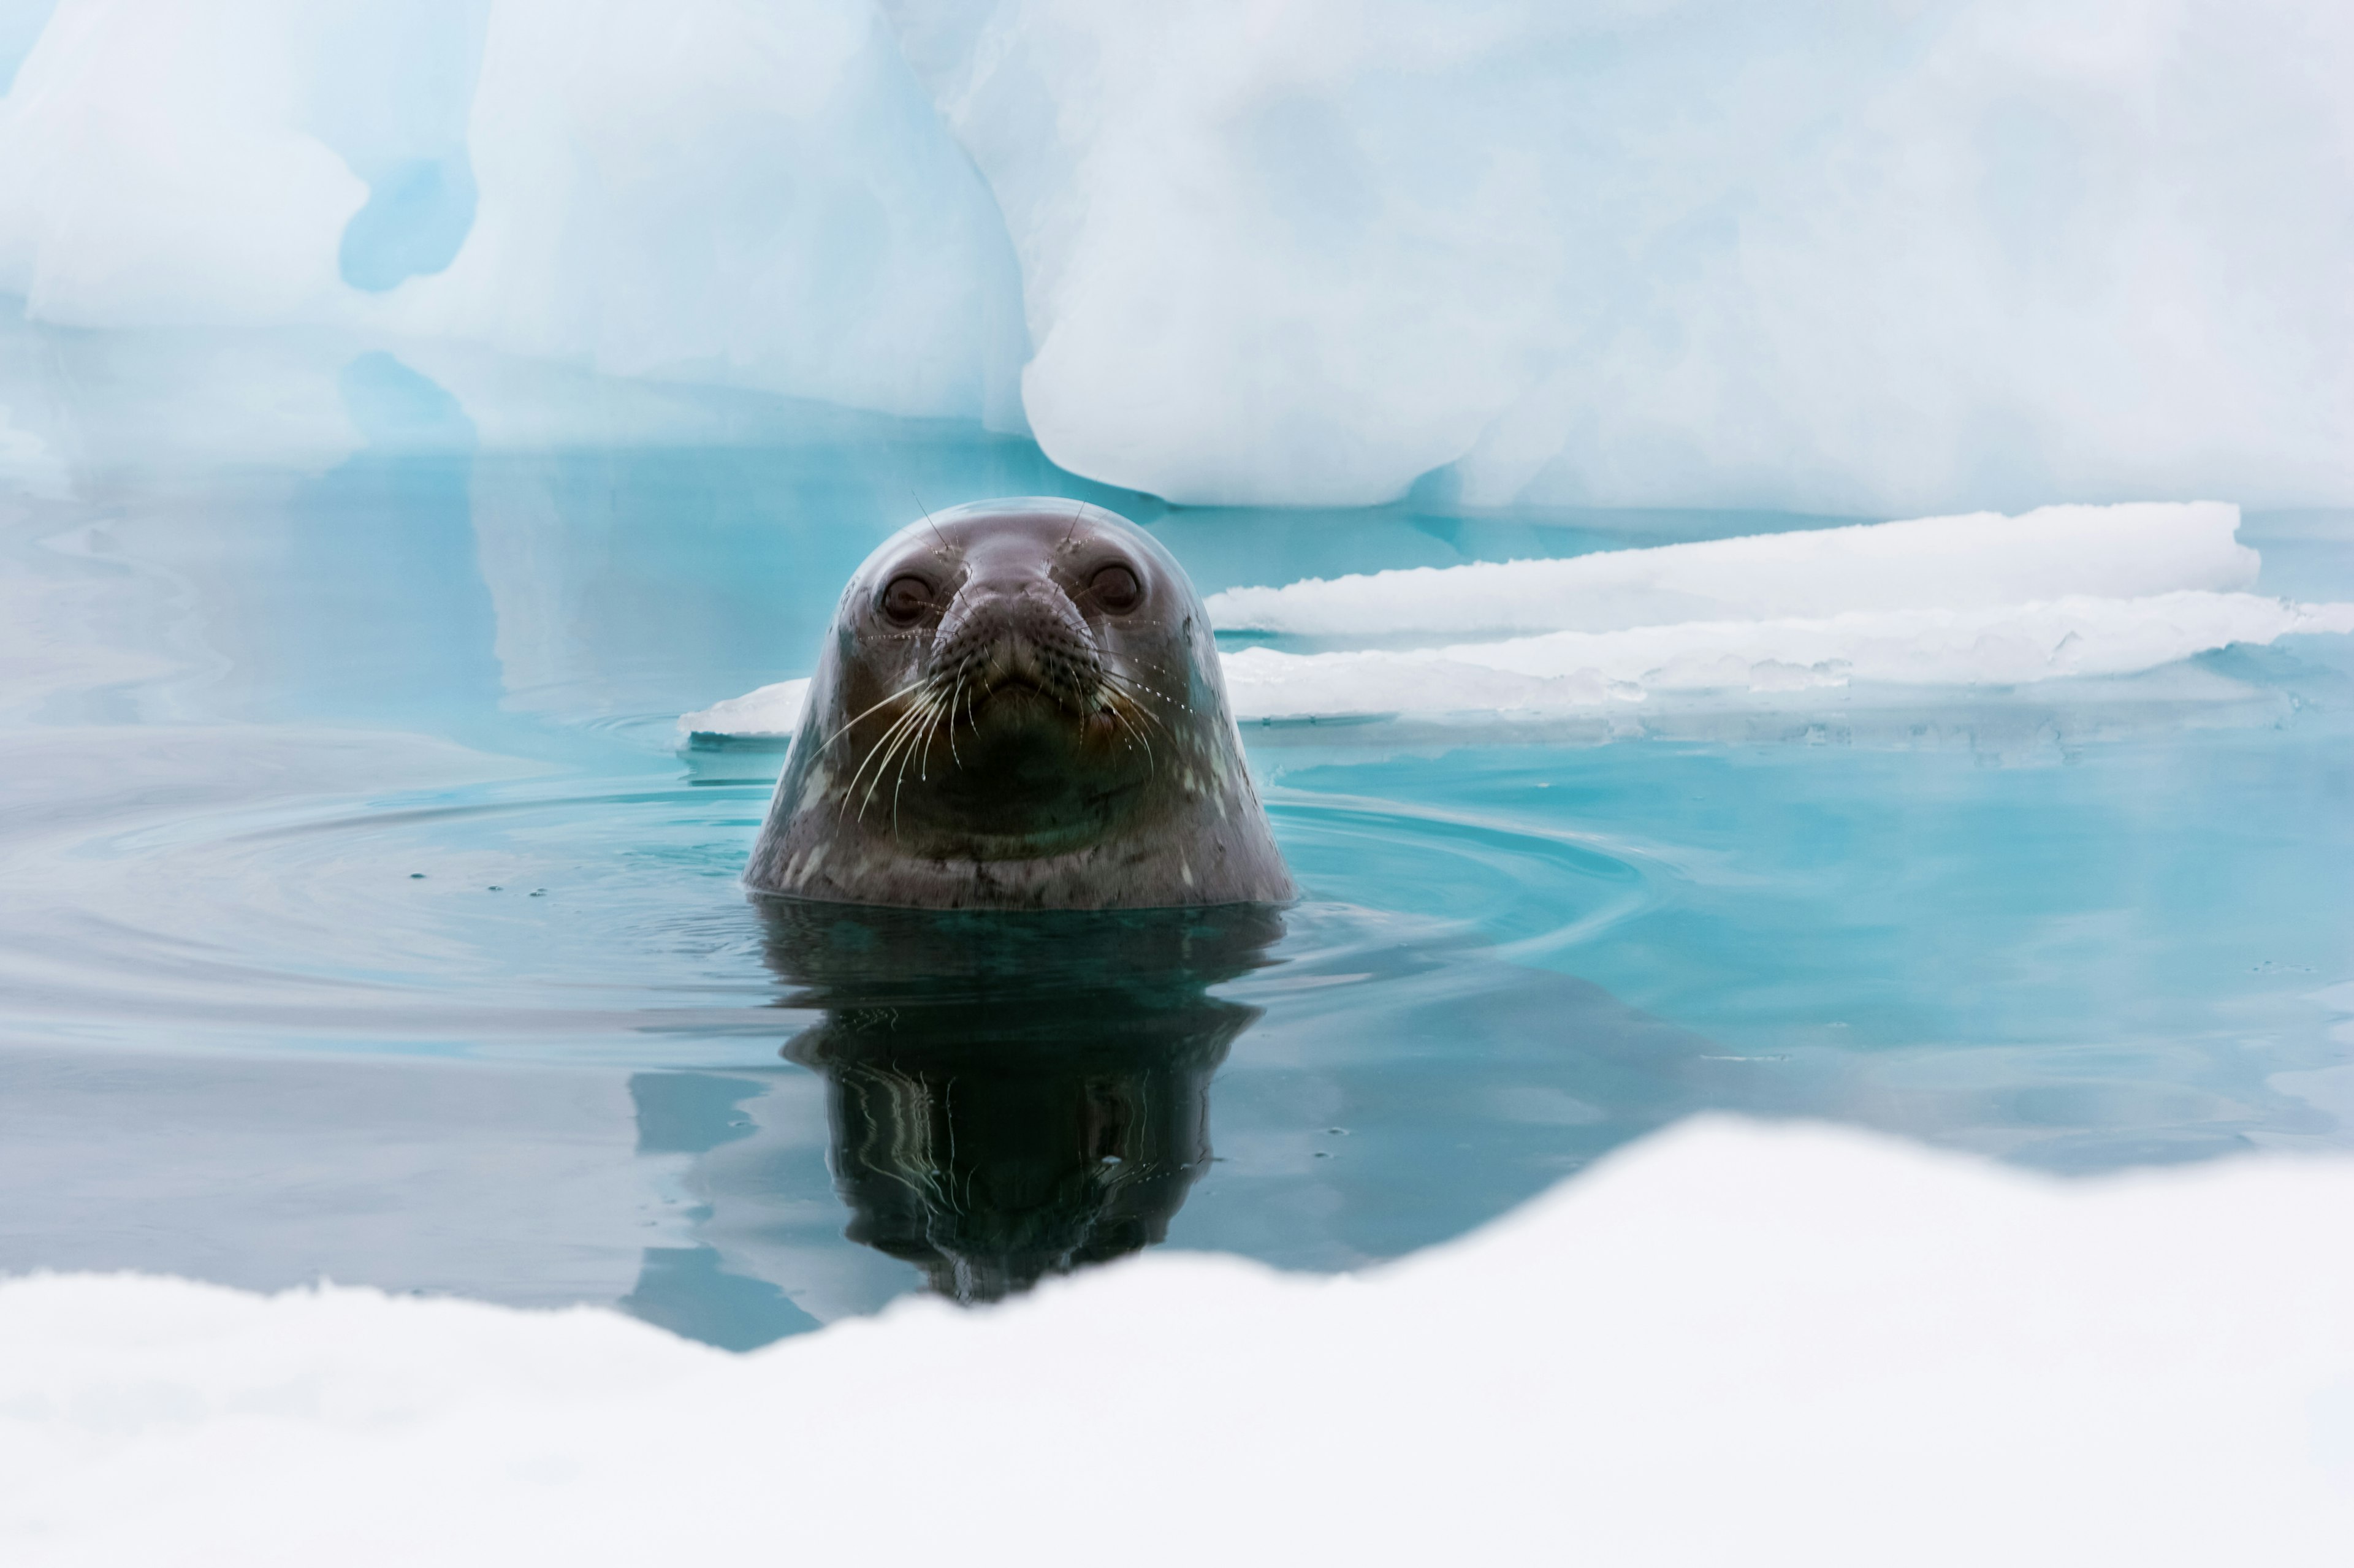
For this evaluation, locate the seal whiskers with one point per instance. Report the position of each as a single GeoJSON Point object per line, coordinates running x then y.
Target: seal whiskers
{"type": "Point", "coordinates": [1066, 665]}
{"type": "Point", "coordinates": [888, 745]}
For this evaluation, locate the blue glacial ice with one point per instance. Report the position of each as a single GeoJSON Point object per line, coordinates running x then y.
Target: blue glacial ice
{"type": "Point", "coordinates": [721, 193]}
{"type": "Point", "coordinates": [1878, 260]}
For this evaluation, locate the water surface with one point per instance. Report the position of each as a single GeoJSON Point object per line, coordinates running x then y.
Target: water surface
{"type": "Point", "coordinates": [364, 920]}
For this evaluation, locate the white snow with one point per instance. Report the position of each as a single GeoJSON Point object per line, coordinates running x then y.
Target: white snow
{"type": "Point", "coordinates": [1860, 258]}
{"type": "Point", "coordinates": [1731, 1344]}
{"type": "Point", "coordinates": [1565, 670]}
{"type": "Point", "coordinates": [1932, 563]}
{"type": "Point", "coordinates": [771, 713]}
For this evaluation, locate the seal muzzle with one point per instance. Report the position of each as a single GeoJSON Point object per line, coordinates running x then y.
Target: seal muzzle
{"type": "Point", "coordinates": [1027, 633]}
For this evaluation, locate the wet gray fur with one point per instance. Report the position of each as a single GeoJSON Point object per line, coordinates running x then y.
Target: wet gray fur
{"type": "Point", "coordinates": [1003, 730]}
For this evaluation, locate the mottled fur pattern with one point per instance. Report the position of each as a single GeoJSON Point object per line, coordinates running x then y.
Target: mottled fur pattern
{"type": "Point", "coordinates": [1019, 707]}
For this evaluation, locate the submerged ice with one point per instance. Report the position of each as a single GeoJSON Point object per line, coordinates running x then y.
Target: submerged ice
{"type": "Point", "coordinates": [1876, 260]}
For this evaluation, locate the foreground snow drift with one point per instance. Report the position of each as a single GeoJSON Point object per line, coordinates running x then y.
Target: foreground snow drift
{"type": "Point", "coordinates": [2059, 593]}
{"type": "Point", "coordinates": [1729, 1344]}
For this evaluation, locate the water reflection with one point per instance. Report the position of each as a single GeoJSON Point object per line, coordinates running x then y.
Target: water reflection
{"type": "Point", "coordinates": [1015, 1095]}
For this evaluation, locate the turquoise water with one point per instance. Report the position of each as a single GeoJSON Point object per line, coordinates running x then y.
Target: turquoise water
{"type": "Point", "coordinates": [364, 920]}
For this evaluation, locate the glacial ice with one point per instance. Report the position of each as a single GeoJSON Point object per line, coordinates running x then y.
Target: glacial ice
{"type": "Point", "coordinates": [1842, 258]}
{"type": "Point", "coordinates": [1859, 260]}
{"type": "Point", "coordinates": [712, 191]}
{"type": "Point", "coordinates": [753, 196]}
{"type": "Point", "coordinates": [1727, 1343]}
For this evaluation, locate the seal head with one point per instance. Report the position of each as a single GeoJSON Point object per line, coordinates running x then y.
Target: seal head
{"type": "Point", "coordinates": [1019, 707]}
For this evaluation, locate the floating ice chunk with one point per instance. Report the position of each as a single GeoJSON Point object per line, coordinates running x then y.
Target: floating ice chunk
{"type": "Point", "coordinates": [1952, 563]}
{"type": "Point", "coordinates": [1567, 671]}
{"type": "Point", "coordinates": [770, 713]}
{"type": "Point", "coordinates": [1829, 1337]}
{"type": "Point", "coordinates": [2062, 592]}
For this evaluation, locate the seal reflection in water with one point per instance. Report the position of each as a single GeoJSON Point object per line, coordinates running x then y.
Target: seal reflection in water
{"type": "Point", "coordinates": [1014, 1095]}
{"type": "Point", "coordinates": [1016, 842]}
{"type": "Point", "coordinates": [1019, 707]}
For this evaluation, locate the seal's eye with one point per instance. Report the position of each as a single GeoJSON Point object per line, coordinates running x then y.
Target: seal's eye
{"type": "Point", "coordinates": [1115, 588]}
{"type": "Point", "coordinates": [905, 600]}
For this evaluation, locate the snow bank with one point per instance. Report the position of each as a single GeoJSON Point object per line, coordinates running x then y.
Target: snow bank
{"type": "Point", "coordinates": [1862, 259]}
{"type": "Point", "coordinates": [1730, 1343]}
{"type": "Point", "coordinates": [1933, 563]}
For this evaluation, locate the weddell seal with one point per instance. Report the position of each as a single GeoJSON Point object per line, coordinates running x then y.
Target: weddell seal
{"type": "Point", "coordinates": [1019, 707]}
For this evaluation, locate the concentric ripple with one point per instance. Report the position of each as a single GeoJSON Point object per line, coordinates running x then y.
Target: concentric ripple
{"type": "Point", "coordinates": [600, 918]}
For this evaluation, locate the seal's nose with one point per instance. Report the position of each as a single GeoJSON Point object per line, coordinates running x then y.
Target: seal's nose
{"type": "Point", "coordinates": [1010, 656]}
{"type": "Point", "coordinates": [1027, 632]}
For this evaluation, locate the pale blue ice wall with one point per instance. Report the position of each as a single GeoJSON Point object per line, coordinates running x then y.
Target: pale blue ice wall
{"type": "Point", "coordinates": [706, 190]}
{"type": "Point", "coordinates": [21, 22]}
{"type": "Point", "coordinates": [391, 96]}
{"type": "Point", "coordinates": [1884, 258]}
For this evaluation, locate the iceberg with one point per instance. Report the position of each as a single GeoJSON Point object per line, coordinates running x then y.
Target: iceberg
{"type": "Point", "coordinates": [1862, 259]}
{"type": "Point", "coordinates": [753, 196]}
{"type": "Point", "coordinates": [756, 196]}
{"type": "Point", "coordinates": [1847, 1349]}
{"type": "Point", "coordinates": [1869, 260]}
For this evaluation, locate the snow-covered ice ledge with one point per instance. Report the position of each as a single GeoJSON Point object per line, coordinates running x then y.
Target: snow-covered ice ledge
{"type": "Point", "coordinates": [1730, 1343]}
{"type": "Point", "coordinates": [1983, 600]}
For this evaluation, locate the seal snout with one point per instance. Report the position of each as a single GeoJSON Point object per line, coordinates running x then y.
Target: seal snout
{"type": "Point", "coordinates": [1027, 636]}
{"type": "Point", "coordinates": [1018, 706]}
